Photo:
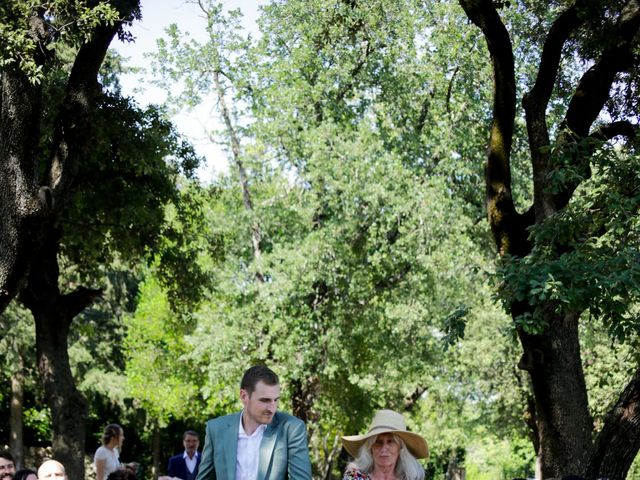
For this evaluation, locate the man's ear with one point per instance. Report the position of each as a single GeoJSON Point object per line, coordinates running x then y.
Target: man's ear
{"type": "Point", "coordinates": [244, 395]}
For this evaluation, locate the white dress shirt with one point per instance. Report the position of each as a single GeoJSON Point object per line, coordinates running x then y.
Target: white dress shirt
{"type": "Point", "coordinates": [248, 453]}
{"type": "Point", "coordinates": [190, 462]}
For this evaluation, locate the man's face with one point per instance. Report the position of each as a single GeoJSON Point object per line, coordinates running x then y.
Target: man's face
{"type": "Point", "coordinates": [191, 443]}
{"type": "Point", "coordinates": [260, 406]}
{"type": "Point", "coordinates": [51, 470]}
{"type": "Point", "coordinates": [7, 469]}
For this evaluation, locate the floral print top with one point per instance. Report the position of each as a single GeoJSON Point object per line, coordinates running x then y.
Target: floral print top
{"type": "Point", "coordinates": [352, 473]}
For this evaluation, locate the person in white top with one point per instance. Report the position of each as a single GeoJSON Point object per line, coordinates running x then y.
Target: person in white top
{"type": "Point", "coordinates": [107, 457]}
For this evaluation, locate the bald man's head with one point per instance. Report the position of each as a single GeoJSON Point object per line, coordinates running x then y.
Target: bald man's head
{"type": "Point", "coordinates": [51, 470]}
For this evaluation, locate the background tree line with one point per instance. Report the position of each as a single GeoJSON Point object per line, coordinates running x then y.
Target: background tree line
{"type": "Point", "coordinates": [352, 245]}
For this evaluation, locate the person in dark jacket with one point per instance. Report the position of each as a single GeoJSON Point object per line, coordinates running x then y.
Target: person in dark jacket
{"type": "Point", "coordinates": [185, 465]}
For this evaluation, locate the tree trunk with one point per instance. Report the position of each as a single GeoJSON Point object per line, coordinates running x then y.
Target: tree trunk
{"type": "Point", "coordinates": [562, 413]}
{"type": "Point", "coordinates": [20, 110]}
{"type": "Point", "coordinates": [53, 314]}
{"type": "Point", "coordinates": [256, 233]}
{"type": "Point", "coordinates": [25, 204]}
{"type": "Point", "coordinates": [156, 451]}
{"type": "Point", "coordinates": [16, 437]}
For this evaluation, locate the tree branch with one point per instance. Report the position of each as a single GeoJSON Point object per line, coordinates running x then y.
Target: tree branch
{"type": "Point", "coordinates": [537, 99]}
{"type": "Point", "coordinates": [354, 73]}
{"type": "Point", "coordinates": [75, 302]}
{"type": "Point", "coordinates": [594, 86]}
{"type": "Point", "coordinates": [507, 226]}
{"type": "Point", "coordinates": [593, 89]}
{"type": "Point", "coordinates": [71, 140]}
{"type": "Point", "coordinates": [619, 440]}
{"type": "Point", "coordinates": [535, 105]}
{"type": "Point", "coordinates": [615, 129]}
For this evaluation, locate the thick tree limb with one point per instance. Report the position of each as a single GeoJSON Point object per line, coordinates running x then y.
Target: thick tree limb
{"type": "Point", "coordinates": [507, 225]}
{"type": "Point", "coordinates": [538, 98]}
{"type": "Point", "coordinates": [593, 89]}
{"type": "Point", "coordinates": [615, 129]}
{"type": "Point", "coordinates": [594, 86]}
{"type": "Point", "coordinates": [619, 440]}
{"type": "Point", "coordinates": [74, 303]}
{"type": "Point", "coordinates": [536, 101]}
{"type": "Point", "coordinates": [71, 138]}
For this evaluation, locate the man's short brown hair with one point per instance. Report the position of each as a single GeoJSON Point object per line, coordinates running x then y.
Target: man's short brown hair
{"type": "Point", "coordinates": [256, 374]}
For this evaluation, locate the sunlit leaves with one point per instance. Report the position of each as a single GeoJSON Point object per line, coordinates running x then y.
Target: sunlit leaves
{"type": "Point", "coordinates": [157, 374]}
{"type": "Point", "coordinates": [587, 256]}
{"type": "Point", "coordinates": [30, 29]}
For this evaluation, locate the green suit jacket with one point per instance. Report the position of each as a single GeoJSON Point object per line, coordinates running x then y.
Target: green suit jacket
{"type": "Point", "coordinates": [283, 451]}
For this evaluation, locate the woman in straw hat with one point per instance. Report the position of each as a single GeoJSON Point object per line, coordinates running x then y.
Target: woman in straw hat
{"type": "Point", "coordinates": [387, 451]}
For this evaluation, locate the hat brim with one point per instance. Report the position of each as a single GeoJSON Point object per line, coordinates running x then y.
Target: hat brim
{"type": "Point", "coordinates": [415, 443]}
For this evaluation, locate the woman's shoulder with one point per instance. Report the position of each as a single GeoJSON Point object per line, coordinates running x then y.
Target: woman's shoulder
{"type": "Point", "coordinates": [101, 452]}
{"type": "Point", "coordinates": [354, 473]}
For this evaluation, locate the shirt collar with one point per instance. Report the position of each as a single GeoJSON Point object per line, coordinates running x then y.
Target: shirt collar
{"type": "Point", "coordinates": [262, 427]}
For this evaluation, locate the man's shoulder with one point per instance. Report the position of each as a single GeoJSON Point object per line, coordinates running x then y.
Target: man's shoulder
{"type": "Point", "coordinates": [176, 457]}
{"type": "Point", "coordinates": [286, 418]}
{"type": "Point", "coordinates": [224, 420]}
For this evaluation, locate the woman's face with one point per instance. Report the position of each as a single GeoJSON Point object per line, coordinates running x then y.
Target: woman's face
{"type": "Point", "coordinates": [385, 451]}
{"type": "Point", "coordinates": [120, 439]}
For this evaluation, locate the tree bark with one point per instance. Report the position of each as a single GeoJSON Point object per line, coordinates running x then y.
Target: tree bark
{"type": "Point", "coordinates": [53, 313]}
{"type": "Point", "coordinates": [563, 421]}
{"type": "Point", "coordinates": [552, 358]}
{"type": "Point", "coordinates": [26, 203]}
{"type": "Point", "coordinates": [16, 437]}
{"type": "Point", "coordinates": [618, 442]}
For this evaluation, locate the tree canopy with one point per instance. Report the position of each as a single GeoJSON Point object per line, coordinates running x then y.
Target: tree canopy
{"type": "Point", "coordinates": [431, 207]}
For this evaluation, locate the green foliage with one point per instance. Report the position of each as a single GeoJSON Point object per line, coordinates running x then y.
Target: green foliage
{"type": "Point", "coordinates": [158, 377]}
{"type": "Point", "coordinates": [495, 458]}
{"type": "Point", "coordinates": [95, 344]}
{"type": "Point", "coordinates": [39, 421]}
{"type": "Point", "coordinates": [29, 28]}
{"type": "Point", "coordinates": [608, 364]}
{"type": "Point", "coordinates": [596, 236]}
{"type": "Point", "coordinates": [185, 249]}
{"type": "Point", "coordinates": [123, 187]}
{"type": "Point", "coordinates": [362, 129]}
{"type": "Point", "coordinates": [355, 176]}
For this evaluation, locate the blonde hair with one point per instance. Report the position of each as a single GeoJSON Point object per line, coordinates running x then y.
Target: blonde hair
{"type": "Point", "coordinates": [407, 467]}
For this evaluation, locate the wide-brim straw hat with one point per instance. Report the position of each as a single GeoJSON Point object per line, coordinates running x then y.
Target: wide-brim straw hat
{"type": "Point", "coordinates": [388, 421]}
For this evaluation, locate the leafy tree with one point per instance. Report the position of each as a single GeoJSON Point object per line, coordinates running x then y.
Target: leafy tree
{"type": "Point", "coordinates": [349, 112]}
{"type": "Point", "coordinates": [155, 350]}
{"type": "Point", "coordinates": [574, 250]}
{"type": "Point", "coordinates": [36, 189]}
{"type": "Point", "coordinates": [37, 183]}
{"type": "Point", "coordinates": [361, 249]}
{"type": "Point", "coordinates": [103, 189]}
{"type": "Point", "coordinates": [18, 358]}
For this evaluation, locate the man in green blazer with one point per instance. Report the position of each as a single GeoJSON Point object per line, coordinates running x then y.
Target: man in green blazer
{"type": "Point", "coordinates": [258, 443]}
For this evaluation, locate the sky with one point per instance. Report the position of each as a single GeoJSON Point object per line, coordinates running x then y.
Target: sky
{"type": "Point", "coordinates": [157, 15]}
